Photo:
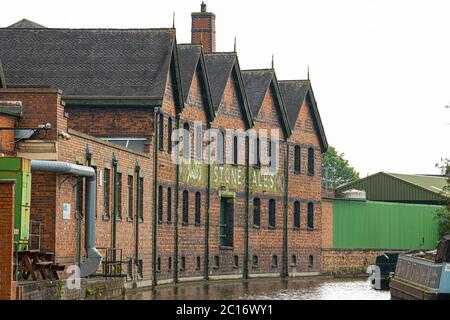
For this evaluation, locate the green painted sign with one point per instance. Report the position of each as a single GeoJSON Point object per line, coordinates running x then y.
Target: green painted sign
{"type": "Point", "coordinates": [231, 177]}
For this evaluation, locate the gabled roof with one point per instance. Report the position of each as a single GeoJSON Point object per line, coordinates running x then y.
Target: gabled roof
{"type": "Point", "coordinates": [257, 82]}
{"type": "Point", "coordinates": [397, 187]}
{"type": "Point", "coordinates": [92, 64]}
{"type": "Point", "coordinates": [2, 77]}
{"type": "Point", "coordinates": [294, 93]}
{"type": "Point", "coordinates": [191, 59]}
{"type": "Point", "coordinates": [220, 66]}
{"type": "Point", "coordinates": [26, 24]}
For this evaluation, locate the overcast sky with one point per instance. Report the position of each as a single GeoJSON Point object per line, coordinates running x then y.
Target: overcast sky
{"type": "Point", "coordinates": [380, 69]}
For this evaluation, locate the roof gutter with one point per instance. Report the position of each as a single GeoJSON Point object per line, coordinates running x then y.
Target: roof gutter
{"type": "Point", "coordinates": [94, 258]}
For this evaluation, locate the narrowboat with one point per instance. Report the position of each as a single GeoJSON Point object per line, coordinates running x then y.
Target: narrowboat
{"type": "Point", "coordinates": [423, 275]}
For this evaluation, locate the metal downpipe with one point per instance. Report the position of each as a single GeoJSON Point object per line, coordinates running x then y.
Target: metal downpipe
{"type": "Point", "coordinates": [94, 258]}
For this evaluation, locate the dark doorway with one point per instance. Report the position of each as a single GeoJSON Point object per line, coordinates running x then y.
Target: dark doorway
{"type": "Point", "coordinates": [227, 222]}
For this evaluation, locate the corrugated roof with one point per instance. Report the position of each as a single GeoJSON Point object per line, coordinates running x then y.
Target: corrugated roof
{"type": "Point", "coordinates": [431, 183]}
{"type": "Point", "coordinates": [396, 187]}
{"type": "Point", "coordinates": [11, 108]}
{"type": "Point", "coordinates": [89, 62]}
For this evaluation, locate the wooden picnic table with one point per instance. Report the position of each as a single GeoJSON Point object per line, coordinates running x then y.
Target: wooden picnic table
{"type": "Point", "coordinates": [35, 263]}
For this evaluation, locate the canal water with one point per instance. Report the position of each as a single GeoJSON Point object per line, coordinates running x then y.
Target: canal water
{"type": "Point", "coordinates": [270, 289]}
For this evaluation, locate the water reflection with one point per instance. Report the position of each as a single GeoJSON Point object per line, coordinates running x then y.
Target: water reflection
{"type": "Point", "coordinates": [271, 289]}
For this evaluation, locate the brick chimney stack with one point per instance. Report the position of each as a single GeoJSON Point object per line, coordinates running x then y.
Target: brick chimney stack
{"type": "Point", "coordinates": [204, 29]}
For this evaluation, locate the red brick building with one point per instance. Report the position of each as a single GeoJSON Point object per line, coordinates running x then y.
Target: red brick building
{"type": "Point", "coordinates": [114, 99]}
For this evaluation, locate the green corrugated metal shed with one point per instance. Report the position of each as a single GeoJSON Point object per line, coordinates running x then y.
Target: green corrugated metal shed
{"type": "Point", "coordinates": [383, 225]}
{"type": "Point", "coordinates": [395, 187]}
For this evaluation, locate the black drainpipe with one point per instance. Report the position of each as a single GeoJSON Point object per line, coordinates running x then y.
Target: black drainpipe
{"type": "Point", "coordinates": [247, 210]}
{"type": "Point", "coordinates": [208, 205]}
{"type": "Point", "coordinates": [138, 209]}
{"type": "Point", "coordinates": [115, 204]}
{"type": "Point", "coordinates": [155, 195]}
{"type": "Point", "coordinates": [177, 198]}
{"type": "Point", "coordinates": [286, 211]}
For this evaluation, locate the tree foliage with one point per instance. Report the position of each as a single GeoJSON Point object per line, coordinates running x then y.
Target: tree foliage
{"type": "Point", "coordinates": [443, 213]}
{"type": "Point", "coordinates": [336, 169]}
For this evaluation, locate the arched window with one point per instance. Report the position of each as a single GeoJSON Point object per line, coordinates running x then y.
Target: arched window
{"type": "Point", "coordinates": [297, 159]}
{"type": "Point", "coordinates": [186, 141]}
{"type": "Point", "coordinates": [198, 263]}
{"type": "Point", "coordinates": [274, 261]}
{"type": "Point", "coordinates": [235, 150]}
{"type": "Point", "coordinates": [198, 206]}
{"type": "Point", "coordinates": [169, 134]}
{"type": "Point", "coordinates": [169, 205]}
{"type": "Point", "coordinates": [258, 152]}
{"type": "Point", "coordinates": [185, 207]}
{"type": "Point", "coordinates": [255, 261]}
{"type": "Point", "coordinates": [310, 216]}
{"type": "Point", "coordinates": [161, 131]}
{"type": "Point", "coordinates": [272, 212]}
{"type": "Point", "coordinates": [256, 212]}
{"type": "Point", "coordinates": [160, 204]}
{"type": "Point", "coordinates": [297, 215]}
{"type": "Point", "coordinates": [311, 261]}
{"type": "Point", "coordinates": [311, 161]}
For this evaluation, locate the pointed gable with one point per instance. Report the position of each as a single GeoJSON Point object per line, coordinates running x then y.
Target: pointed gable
{"type": "Point", "coordinates": [192, 66]}
{"type": "Point", "coordinates": [295, 93]}
{"type": "Point", "coordinates": [257, 84]}
{"type": "Point", "coordinates": [221, 67]}
{"type": "Point", "coordinates": [92, 63]}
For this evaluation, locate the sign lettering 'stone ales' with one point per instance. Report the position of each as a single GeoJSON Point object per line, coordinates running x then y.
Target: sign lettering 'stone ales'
{"type": "Point", "coordinates": [233, 177]}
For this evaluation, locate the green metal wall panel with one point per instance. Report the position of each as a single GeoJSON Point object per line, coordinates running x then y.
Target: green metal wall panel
{"type": "Point", "coordinates": [382, 225]}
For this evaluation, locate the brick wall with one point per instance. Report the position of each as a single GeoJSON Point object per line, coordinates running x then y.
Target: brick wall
{"type": "Point", "coordinates": [229, 116]}
{"type": "Point", "coordinates": [39, 107]}
{"type": "Point", "coordinates": [7, 286]}
{"type": "Point", "coordinates": [327, 224]}
{"type": "Point", "coordinates": [305, 188]}
{"type": "Point", "coordinates": [112, 121]}
{"type": "Point", "coordinates": [266, 243]}
{"type": "Point", "coordinates": [348, 261]}
{"type": "Point", "coordinates": [7, 136]}
{"type": "Point", "coordinates": [192, 235]}
{"type": "Point", "coordinates": [74, 150]}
